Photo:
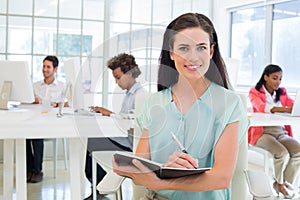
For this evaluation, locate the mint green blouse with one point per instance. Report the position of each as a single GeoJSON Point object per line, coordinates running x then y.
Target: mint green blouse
{"type": "Point", "coordinates": [198, 130]}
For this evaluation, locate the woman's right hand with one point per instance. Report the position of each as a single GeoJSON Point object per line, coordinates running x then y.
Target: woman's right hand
{"type": "Point", "coordinates": [181, 160]}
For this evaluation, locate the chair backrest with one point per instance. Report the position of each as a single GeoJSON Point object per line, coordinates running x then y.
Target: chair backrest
{"type": "Point", "coordinates": [239, 185]}
{"type": "Point", "coordinates": [138, 191]}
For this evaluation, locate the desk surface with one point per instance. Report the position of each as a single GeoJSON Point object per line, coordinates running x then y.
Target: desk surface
{"type": "Point", "coordinates": [29, 122]}
{"type": "Point", "coordinates": [266, 119]}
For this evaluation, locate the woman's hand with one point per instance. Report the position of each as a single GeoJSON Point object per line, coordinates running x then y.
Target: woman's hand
{"type": "Point", "coordinates": [182, 160]}
{"type": "Point", "coordinates": [101, 110]}
{"type": "Point", "coordinates": [282, 109]}
{"type": "Point", "coordinates": [140, 174]}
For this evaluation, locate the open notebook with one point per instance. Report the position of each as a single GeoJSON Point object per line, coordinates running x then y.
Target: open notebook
{"type": "Point", "coordinates": [125, 158]}
{"type": "Point", "coordinates": [296, 108]}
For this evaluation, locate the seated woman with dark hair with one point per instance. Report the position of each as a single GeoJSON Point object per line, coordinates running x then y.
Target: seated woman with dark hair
{"type": "Point", "coordinates": [268, 97]}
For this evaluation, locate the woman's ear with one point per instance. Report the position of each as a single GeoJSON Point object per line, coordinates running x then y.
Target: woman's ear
{"type": "Point", "coordinates": [212, 49]}
{"type": "Point", "coordinates": [171, 55]}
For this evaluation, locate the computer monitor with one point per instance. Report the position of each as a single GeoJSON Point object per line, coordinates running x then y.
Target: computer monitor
{"type": "Point", "coordinates": [21, 88]}
{"type": "Point", "coordinates": [74, 79]}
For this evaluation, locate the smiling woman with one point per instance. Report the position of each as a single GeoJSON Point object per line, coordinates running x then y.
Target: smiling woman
{"type": "Point", "coordinates": [192, 78]}
{"type": "Point", "coordinates": [192, 52]}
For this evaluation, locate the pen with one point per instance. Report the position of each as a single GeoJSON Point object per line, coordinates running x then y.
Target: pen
{"type": "Point", "coordinates": [178, 143]}
{"type": "Point", "coordinates": [182, 149]}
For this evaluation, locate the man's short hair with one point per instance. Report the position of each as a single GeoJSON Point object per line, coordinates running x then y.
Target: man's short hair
{"type": "Point", "coordinates": [126, 62]}
{"type": "Point", "coordinates": [53, 59]}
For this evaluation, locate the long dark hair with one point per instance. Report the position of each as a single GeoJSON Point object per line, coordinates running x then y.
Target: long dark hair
{"type": "Point", "coordinates": [167, 73]}
{"type": "Point", "coordinates": [269, 69]}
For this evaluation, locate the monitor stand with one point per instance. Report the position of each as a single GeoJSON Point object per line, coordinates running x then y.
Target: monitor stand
{"type": "Point", "coordinates": [5, 95]}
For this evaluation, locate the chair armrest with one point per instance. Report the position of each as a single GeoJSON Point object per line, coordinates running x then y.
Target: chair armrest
{"type": "Point", "coordinates": [110, 184]}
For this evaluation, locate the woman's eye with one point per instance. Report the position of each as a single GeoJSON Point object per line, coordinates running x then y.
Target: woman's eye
{"type": "Point", "coordinates": [201, 48]}
{"type": "Point", "coordinates": [183, 48]}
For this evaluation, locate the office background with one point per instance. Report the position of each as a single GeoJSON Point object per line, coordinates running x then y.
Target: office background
{"type": "Point", "coordinates": [255, 32]}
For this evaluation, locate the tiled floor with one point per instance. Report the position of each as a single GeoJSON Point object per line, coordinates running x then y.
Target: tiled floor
{"type": "Point", "coordinates": [59, 188]}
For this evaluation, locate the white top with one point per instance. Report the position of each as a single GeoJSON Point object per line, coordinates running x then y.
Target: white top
{"type": "Point", "coordinates": [52, 92]}
{"type": "Point", "coordinates": [270, 101]}
{"type": "Point", "coordinates": [128, 103]}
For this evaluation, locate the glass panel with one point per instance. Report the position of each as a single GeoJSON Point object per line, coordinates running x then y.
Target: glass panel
{"type": "Point", "coordinates": [20, 7]}
{"type": "Point", "coordinates": [3, 6]}
{"type": "Point", "coordinates": [37, 66]}
{"type": "Point", "coordinates": [92, 69]}
{"type": "Point", "coordinates": [117, 28]}
{"type": "Point", "coordinates": [200, 6]}
{"type": "Point", "coordinates": [157, 39]}
{"type": "Point", "coordinates": [95, 30]}
{"type": "Point", "coordinates": [69, 38]}
{"type": "Point", "coordinates": [180, 7]}
{"type": "Point", "coordinates": [120, 10]}
{"type": "Point", "coordinates": [19, 34]}
{"type": "Point", "coordinates": [70, 8]}
{"type": "Point", "coordinates": [162, 12]}
{"type": "Point", "coordinates": [285, 49]}
{"type": "Point", "coordinates": [248, 43]}
{"type": "Point", "coordinates": [44, 30]}
{"type": "Point", "coordinates": [141, 11]}
{"type": "Point", "coordinates": [2, 34]}
{"type": "Point", "coordinates": [140, 39]}
{"type": "Point", "coordinates": [45, 8]}
{"type": "Point", "coordinates": [93, 9]}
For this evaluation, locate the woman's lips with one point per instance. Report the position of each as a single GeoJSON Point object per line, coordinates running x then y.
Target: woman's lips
{"type": "Point", "coordinates": [192, 67]}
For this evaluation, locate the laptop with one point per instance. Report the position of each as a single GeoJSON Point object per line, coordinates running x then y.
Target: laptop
{"type": "Point", "coordinates": [296, 108]}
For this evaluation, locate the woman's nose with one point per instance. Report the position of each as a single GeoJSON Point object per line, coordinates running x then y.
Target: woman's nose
{"type": "Point", "coordinates": [193, 56]}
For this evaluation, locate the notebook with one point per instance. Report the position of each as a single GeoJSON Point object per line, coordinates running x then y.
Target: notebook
{"type": "Point", "coordinates": [125, 158]}
{"type": "Point", "coordinates": [296, 108]}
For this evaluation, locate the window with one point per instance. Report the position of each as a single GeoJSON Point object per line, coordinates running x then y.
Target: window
{"type": "Point", "coordinates": [248, 41]}
{"type": "Point", "coordinates": [260, 37]}
{"type": "Point", "coordinates": [285, 45]}
{"type": "Point", "coordinates": [94, 31]}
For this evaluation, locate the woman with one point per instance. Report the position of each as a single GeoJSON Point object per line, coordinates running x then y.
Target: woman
{"type": "Point", "coordinates": [193, 102]}
{"type": "Point", "coordinates": [268, 97]}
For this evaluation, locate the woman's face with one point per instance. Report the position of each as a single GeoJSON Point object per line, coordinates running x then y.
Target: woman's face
{"type": "Point", "coordinates": [273, 81]}
{"type": "Point", "coordinates": [192, 52]}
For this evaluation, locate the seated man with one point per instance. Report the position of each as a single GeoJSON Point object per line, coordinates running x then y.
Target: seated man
{"type": "Point", "coordinates": [125, 71]}
{"type": "Point", "coordinates": [49, 91]}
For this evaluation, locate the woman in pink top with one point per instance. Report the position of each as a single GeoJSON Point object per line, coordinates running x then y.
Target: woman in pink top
{"type": "Point", "coordinates": [268, 97]}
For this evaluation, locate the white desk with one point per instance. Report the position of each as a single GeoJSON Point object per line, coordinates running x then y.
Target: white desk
{"type": "Point", "coordinates": [28, 122]}
{"type": "Point", "coordinates": [265, 119]}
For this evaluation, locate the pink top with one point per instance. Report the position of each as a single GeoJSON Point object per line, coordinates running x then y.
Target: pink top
{"type": "Point", "coordinates": [258, 100]}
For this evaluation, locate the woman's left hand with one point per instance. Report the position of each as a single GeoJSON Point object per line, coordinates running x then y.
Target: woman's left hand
{"type": "Point", "coordinates": [140, 174]}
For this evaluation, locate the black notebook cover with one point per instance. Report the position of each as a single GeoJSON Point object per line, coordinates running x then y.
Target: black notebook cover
{"type": "Point", "coordinates": [125, 158]}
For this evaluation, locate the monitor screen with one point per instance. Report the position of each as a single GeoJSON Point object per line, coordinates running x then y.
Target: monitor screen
{"type": "Point", "coordinates": [18, 73]}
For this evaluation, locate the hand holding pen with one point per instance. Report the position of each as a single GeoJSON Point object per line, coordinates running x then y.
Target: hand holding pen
{"type": "Point", "coordinates": [183, 160]}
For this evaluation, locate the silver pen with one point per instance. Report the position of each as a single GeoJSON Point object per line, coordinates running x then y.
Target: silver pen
{"type": "Point", "coordinates": [181, 147]}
